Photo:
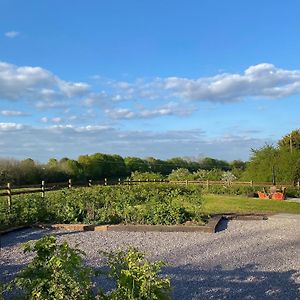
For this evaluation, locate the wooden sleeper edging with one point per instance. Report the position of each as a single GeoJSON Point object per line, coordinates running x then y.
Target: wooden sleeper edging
{"type": "Point", "coordinates": [210, 227]}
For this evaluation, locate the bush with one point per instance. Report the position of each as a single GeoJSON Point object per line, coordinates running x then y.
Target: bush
{"type": "Point", "coordinates": [143, 176]}
{"type": "Point", "coordinates": [214, 174]}
{"type": "Point", "coordinates": [232, 190]}
{"type": "Point", "coordinates": [293, 192]}
{"type": "Point", "coordinates": [57, 272]}
{"type": "Point", "coordinates": [180, 174]}
{"type": "Point", "coordinates": [136, 278]}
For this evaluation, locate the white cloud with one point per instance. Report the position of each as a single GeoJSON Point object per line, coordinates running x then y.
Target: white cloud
{"type": "Point", "coordinates": [103, 98]}
{"type": "Point", "coordinates": [44, 119]}
{"type": "Point", "coordinates": [10, 126]}
{"type": "Point", "coordinates": [92, 128]}
{"type": "Point", "coordinates": [12, 34]}
{"type": "Point", "coordinates": [50, 104]}
{"type": "Point", "coordinates": [170, 109]}
{"type": "Point", "coordinates": [51, 120]}
{"type": "Point", "coordinates": [262, 80]}
{"type": "Point", "coordinates": [12, 113]}
{"type": "Point", "coordinates": [37, 84]}
{"type": "Point", "coordinates": [96, 99]}
{"type": "Point", "coordinates": [62, 127]}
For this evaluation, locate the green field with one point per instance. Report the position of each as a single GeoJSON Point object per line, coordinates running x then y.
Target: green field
{"type": "Point", "coordinates": [239, 204]}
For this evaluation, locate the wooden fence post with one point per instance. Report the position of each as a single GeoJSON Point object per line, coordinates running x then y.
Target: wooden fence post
{"type": "Point", "coordinates": [70, 183]}
{"type": "Point", "coordinates": [43, 189]}
{"type": "Point", "coordinates": [9, 201]}
{"type": "Point", "coordinates": [251, 183]}
{"type": "Point", "coordinates": [207, 183]}
{"type": "Point", "coordinates": [90, 182]}
{"type": "Point", "coordinates": [298, 184]}
{"type": "Point", "coordinates": [186, 182]}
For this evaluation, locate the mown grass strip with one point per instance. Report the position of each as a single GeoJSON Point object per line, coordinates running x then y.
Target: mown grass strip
{"type": "Point", "coordinates": [239, 204]}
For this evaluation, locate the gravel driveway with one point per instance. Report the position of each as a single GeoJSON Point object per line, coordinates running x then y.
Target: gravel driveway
{"type": "Point", "coordinates": [245, 260]}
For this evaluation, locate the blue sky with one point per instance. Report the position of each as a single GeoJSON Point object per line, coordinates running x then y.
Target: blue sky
{"type": "Point", "coordinates": [147, 78]}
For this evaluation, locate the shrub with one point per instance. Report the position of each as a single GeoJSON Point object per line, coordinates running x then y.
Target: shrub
{"type": "Point", "coordinates": [166, 212]}
{"type": "Point", "coordinates": [56, 272]}
{"type": "Point", "coordinates": [228, 177]}
{"type": "Point", "coordinates": [180, 174]}
{"type": "Point", "coordinates": [145, 176]}
{"type": "Point", "coordinates": [136, 278]}
{"type": "Point", "coordinates": [231, 190]}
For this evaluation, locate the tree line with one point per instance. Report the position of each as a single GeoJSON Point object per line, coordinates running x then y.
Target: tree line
{"type": "Point", "coordinates": [99, 165]}
{"type": "Point", "coordinates": [280, 162]}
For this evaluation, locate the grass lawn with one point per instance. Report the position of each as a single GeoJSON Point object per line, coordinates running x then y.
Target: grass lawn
{"type": "Point", "coordinates": [238, 204]}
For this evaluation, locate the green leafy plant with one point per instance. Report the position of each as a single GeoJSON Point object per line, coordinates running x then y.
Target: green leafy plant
{"type": "Point", "coordinates": [139, 204]}
{"type": "Point", "coordinates": [56, 272]}
{"type": "Point", "coordinates": [136, 278]}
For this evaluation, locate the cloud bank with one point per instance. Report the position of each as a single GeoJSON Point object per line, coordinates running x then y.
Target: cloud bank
{"type": "Point", "coordinates": [63, 140]}
{"type": "Point", "coordinates": [260, 81]}
{"type": "Point", "coordinates": [73, 118]}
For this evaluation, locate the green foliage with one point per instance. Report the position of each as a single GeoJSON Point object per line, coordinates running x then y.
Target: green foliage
{"type": "Point", "coordinates": [98, 166]}
{"type": "Point", "coordinates": [228, 177]}
{"type": "Point", "coordinates": [167, 212]}
{"type": "Point", "coordinates": [158, 166]}
{"type": "Point", "coordinates": [137, 204]}
{"type": "Point", "coordinates": [26, 209]}
{"type": "Point", "coordinates": [143, 176]}
{"type": "Point", "coordinates": [201, 174]}
{"type": "Point", "coordinates": [261, 164]}
{"type": "Point", "coordinates": [136, 278]}
{"type": "Point", "coordinates": [286, 165]}
{"type": "Point", "coordinates": [135, 164]}
{"type": "Point", "coordinates": [56, 272]}
{"type": "Point", "coordinates": [209, 163]}
{"type": "Point", "coordinates": [232, 190]}
{"type": "Point", "coordinates": [293, 192]}
{"type": "Point", "coordinates": [181, 174]}
{"type": "Point", "coordinates": [290, 141]}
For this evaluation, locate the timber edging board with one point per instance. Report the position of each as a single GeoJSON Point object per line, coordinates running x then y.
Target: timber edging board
{"type": "Point", "coordinates": [210, 227]}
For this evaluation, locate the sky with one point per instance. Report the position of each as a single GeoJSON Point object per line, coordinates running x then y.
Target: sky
{"type": "Point", "coordinates": [161, 78]}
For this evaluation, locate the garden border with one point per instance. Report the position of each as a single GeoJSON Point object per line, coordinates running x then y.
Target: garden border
{"type": "Point", "coordinates": [210, 227]}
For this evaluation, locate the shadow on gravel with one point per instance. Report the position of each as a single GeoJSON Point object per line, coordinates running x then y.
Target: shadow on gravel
{"type": "Point", "coordinates": [222, 225]}
{"type": "Point", "coordinates": [9, 272]}
{"type": "Point", "coordinates": [188, 282]}
{"type": "Point", "coordinates": [243, 283]}
{"type": "Point", "coordinates": [24, 235]}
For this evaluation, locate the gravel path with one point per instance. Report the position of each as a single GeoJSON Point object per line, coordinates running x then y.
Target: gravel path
{"type": "Point", "coordinates": [246, 260]}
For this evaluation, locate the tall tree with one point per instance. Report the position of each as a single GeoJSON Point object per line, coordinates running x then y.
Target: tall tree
{"type": "Point", "coordinates": [291, 141]}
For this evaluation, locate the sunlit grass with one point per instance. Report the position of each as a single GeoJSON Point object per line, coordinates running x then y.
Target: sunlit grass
{"type": "Point", "coordinates": [239, 204]}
